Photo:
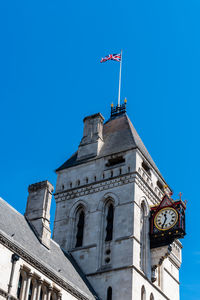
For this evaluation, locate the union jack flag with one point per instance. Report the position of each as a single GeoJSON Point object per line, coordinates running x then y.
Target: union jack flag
{"type": "Point", "coordinates": [116, 57]}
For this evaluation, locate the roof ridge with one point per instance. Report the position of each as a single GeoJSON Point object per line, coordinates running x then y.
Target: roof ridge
{"type": "Point", "coordinates": [11, 207]}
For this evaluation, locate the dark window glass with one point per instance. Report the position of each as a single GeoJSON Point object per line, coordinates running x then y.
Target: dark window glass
{"type": "Point", "coordinates": [109, 293]}
{"type": "Point", "coordinates": [109, 226]}
{"type": "Point", "coordinates": [19, 286]}
{"type": "Point", "coordinates": [160, 185]}
{"type": "Point", "coordinates": [30, 291]}
{"type": "Point", "coordinates": [146, 168]}
{"type": "Point", "coordinates": [80, 228]}
{"type": "Point", "coordinates": [41, 294]}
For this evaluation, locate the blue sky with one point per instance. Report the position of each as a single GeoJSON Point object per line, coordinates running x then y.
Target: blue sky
{"type": "Point", "coordinates": [51, 78]}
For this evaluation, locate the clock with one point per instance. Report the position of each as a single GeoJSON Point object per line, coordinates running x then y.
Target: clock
{"type": "Point", "coordinates": [167, 222]}
{"type": "Point", "coordinates": [166, 218]}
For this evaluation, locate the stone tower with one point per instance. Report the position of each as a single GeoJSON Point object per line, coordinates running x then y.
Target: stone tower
{"type": "Point", "coordinates": [103, 196]}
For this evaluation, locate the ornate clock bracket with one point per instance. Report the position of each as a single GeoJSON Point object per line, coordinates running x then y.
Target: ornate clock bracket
{"type": "Point", "coordinates": [167, 223]}
{"type": "Point", "coordinates": [157, 257]}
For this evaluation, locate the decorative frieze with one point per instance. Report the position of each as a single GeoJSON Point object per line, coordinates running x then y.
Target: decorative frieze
{"type": "Point", "coordinates": [143, 182]}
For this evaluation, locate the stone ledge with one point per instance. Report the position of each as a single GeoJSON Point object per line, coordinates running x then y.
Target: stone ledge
{"type": "Point", "coordinates": [172, 276]}
{"type": "Point", "coordinates": [133, 177]}
{"type": "Point", "coordinates": [128, 237]}
{"type": "Point", "coordinates": [83, 248]}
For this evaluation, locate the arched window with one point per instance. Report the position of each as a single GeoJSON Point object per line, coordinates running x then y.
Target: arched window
{"type": "Point", "coordinates": [19, 286]}
{"type": "Point", "coordinates": [109, 224]}
{"type": "Point", "coordinates": [109, 293]}
{"type": "Point", "coordinates": [143, 293]}
{"type": "Point", "coordinates": [30, 292]}
{"type": "Point", "coordinates": [80, 222]}
{"type": "Point", "coordinates": [151, 297]}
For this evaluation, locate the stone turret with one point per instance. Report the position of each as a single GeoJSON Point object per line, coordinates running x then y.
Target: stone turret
{"type": "Point", "coordinates": [92, 140]}
{"type": "Point", "coordinates": [38, 210]}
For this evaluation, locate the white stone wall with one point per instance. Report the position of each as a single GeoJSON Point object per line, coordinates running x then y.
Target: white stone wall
{"type": "Point", "coordinates": [128, 185]}
{"type": "Point", "coordinates": [5, 267]}
{"type": "Point", "coordinates": [120, 281]}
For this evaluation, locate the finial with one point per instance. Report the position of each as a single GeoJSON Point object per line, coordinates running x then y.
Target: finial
{"type": "Point", "coordinates": [125, 100]}
{"type": "Point", "coordinates": [112, 104]}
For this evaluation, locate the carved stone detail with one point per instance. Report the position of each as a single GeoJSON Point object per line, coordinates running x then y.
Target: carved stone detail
{"type": "Point", "coordinates": [37, 265]}
{"type": "Point", "coordinates": [145, 185]}
{"type": "Point", "coordinates": [157, 257]}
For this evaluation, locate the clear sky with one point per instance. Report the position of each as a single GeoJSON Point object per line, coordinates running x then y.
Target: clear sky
{"type": "Point", "coordinates": [51, 78]}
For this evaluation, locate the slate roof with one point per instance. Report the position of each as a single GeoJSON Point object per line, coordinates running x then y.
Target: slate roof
{"type": "Point", "coordinates": [119, 135]}
{"type": "Point", "coordinates": [14, 226]}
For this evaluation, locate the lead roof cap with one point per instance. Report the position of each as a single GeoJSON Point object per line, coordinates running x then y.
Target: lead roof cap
{"type": "Point", "coordinates": [119, 135]}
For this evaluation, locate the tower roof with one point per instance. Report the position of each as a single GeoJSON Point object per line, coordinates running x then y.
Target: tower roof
{"type": "Point", "coordinates": [119, 135]}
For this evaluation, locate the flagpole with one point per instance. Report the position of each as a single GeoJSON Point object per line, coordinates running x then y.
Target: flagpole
{"type": "Point", "coordinates": [120, 71]}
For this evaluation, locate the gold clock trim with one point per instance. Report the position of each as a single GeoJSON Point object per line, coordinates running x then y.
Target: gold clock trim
{"type": "Point", "coordinates": [166, 208]}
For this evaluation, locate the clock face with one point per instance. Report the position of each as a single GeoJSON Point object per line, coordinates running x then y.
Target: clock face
{"type": "Point", "coordinates": [166, 218]}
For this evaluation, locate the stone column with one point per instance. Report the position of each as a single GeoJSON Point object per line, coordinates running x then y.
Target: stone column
{"type": "Point", "coordinates": [45, 293]}
{"type": "Point", "coordinates": [59, 296]}
{"type": "Point", "coordinates": [28, 285]}
{"type": "Point", "coordinates": [14, 259]}
{"type": "Point", "coordinates": [34, 294]}
{"type": "Point", "coordinates": [24, 283]}
{"type": "Point", "coordinates": [39, 289]}
{"type": "Point", "coordinates": [49, 293]}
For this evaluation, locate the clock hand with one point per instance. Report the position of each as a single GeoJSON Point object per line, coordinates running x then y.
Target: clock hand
{"type": "Point", "coordinates": [164, 220]}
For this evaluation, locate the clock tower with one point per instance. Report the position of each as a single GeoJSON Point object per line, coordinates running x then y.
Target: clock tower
{"type": "Point", "coordinates": [104, 197]}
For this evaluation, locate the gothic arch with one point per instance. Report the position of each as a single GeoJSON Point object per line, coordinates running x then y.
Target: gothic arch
{"type": "Point", "coordinates": [75, 207]}
{"type": "Point", "coordinates": [151, 297]}
{"type": "Point", "coordinates": [108, 220]}
{"type": "Point", "coordinates": [107, 223]}
{"type": "Point", "coordinates": [143, 200]}
{"type": "Point", "coordinates": [108, 196]}
{"type": "Point", "coordinates": [109, 293]}
{"type": "Point", "coordinates": [79, 226]}
{"type": "Point", "coordinates": [143, 293]}
{"type": "Point", "coordinates": [78, 216]}
{"type": "Point", "coordinates": [144, 237]}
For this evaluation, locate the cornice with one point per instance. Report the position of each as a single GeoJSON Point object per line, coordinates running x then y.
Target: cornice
{"type": "Point", "coordinates": [134, 177]}
{"type": "Point", "coordinates": [94, 187]}
{"type": "Point", "coordinates": [40, 267]}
